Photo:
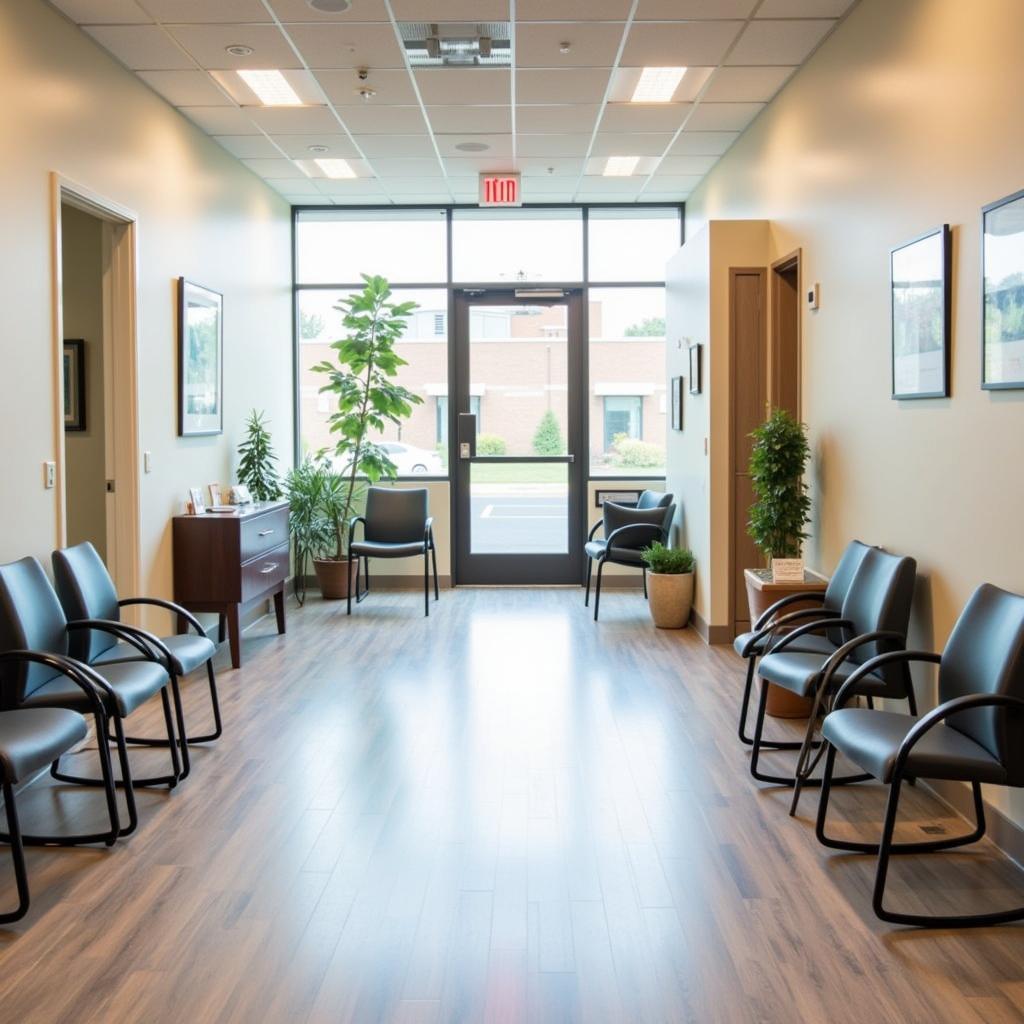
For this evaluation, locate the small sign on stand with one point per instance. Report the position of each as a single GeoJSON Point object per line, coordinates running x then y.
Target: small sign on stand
{"type": "Point", "coordinates": [787, 570]}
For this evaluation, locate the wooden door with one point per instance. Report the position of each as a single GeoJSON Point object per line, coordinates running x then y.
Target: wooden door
{"type": "Point", "coordinates": [785, 345]}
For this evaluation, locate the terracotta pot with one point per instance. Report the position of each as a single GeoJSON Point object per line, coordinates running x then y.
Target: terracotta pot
{"type": "Point", "coordinates": [332, 576]}
{"type": "Point", "coordinates": [671, 597]}
{"type": "Point", "coordinates": [781, 703]}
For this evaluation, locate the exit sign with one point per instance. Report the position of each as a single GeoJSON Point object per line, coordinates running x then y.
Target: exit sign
{"type": "Point", "coordinates": [500, 189]}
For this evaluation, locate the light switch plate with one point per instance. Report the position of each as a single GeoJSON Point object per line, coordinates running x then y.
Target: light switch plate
{"type": "Point", "coordinates": [147, 462]}
{"type": "Point", "coordinates": [49, 475]}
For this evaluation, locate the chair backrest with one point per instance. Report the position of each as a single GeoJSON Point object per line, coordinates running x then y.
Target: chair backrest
{"type": "Point", "coordinates": [654, 499]}
{"type": "Point", "coordinates": [617, 516]}
{"type": "Point", "coordinates": [396, 515]}
{"type": "Point", "coordinates": [839, 584]}
{"type": "Point", "coordinates": [879, 598]}
{"type": "Point", "coordinates": [31, 618]}
{"type": "Point", "coordinates": [985, 654]}
{"type": "Point", "coordinates": [86, 591]}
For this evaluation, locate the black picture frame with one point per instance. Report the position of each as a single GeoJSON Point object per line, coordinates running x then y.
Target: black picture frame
{"type": "Point", "coordinates": [994, 300]}
{"type": "Point", "coordinates": [676, 392]}
{"type": "Point", "coordinates": [74, 385]}
{"type": "Point", "coordinates": [200, 360]}
{"type": "Point", "coordinates": [696, 380]}
{"type": "Point", "coordinates": [920, 299]}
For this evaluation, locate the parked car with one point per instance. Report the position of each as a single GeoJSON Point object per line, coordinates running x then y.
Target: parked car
{"type": "Point", "coordinates": [413, 460]}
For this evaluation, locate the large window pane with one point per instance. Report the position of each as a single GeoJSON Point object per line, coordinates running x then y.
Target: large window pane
{"type": "Point", "coordinates": [405, 246]}
{"type": "Point", "coordinates": [519, 508]}
{"type": "Point", "coordinates": [515, 246]}
{"type": "Point", "coordinates": [627, 381]}
{"type": "Point", "coordinates": [414, 447]}
{"type": "Point", "coordinates": [632, 244]}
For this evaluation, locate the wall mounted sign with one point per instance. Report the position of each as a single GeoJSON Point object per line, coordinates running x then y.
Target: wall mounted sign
{"type": "Point", "coordinates": [501, 189]}
{"type": "Point", "coordinates": [616, 497]}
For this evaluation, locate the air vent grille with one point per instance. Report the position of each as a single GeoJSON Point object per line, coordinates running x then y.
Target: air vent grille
{"type": "Point", "coordinates": [457, 44]}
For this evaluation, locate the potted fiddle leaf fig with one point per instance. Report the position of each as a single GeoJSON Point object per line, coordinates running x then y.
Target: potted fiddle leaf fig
{"type": "Point", "coordinates": [361, 379]}
{"type": "Point", "coordinates": [669, 584]}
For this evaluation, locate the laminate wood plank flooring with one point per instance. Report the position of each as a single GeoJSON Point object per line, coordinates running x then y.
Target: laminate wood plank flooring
{"type": "Point", "coordinates": [502, 813]}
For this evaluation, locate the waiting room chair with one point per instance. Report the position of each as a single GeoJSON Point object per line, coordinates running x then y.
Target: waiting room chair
{"type": "Point", "coordinates": [975, 735]}
{"type": "Point", "coordinates": [875, 616]}
{"type": "Point", "coordinates": [86, 591]}
{"type": "Point", "coordinates": [627, 531]}
{"type": "Point", "coordinates": [34, 629]}
{"type": "Point", "coordinates": [29, 741]}
{"type": "Point", "coordinates": [397, 524]}
{"type": "Point", "coordinates": [772, 624]}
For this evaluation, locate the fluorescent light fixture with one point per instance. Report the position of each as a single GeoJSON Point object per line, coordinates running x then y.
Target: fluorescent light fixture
{"type": "Point", "coordinates": [657, 85]}
{"type": "Point", "coordinates": [334, 168]}
{"type": "Point", "coordinates": [271, 88]}
{"type": "Point", "coordinates": [620, 166]}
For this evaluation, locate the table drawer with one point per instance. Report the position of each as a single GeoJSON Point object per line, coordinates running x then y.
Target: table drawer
{"type": "Point", "coordinates": [263, 533]}
{"type": "Point", "coordinates": [264, 572]}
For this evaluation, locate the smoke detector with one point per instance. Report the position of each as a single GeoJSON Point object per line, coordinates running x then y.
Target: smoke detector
{"type": "Point", "coordinates": [330, 6]}
{"type": "Point", "coordinates": [238, 50]}
{"type": "Point", "coordinates": [472, 147]}
{"type": "Point", "coordinates": [317, 149]}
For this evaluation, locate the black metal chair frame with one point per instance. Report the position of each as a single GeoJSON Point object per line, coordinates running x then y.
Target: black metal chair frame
{"type": "Point", "coordinates": [658, 533]}
{"type": "Point", "coordinates": [885, 848]}
{"type": "Point", "coordinates": [429, 557]}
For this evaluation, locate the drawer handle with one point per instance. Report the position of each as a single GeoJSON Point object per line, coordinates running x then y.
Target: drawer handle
{"type": "Point", "coordinates": [265, 533]}
{"type": "Point", "coordinates": [268, 569]}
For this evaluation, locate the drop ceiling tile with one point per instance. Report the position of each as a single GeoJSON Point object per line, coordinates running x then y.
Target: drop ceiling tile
{"type": "Point", "coordinates": [208, 43]}
{"type": "Point", "coordinates": [650, 196]}
{"type": "Point", "coordinates": [103, 12]}
{"type": "Point", "coordinates": [591, 44]}
{"type": "Point", "coordinates": [466, 167]}
{"type": "Point", "coordinates": [412, 186]}
{"type": "Point", "coordinates": [141, 46]}
{"type": "Point", "coordinates": [591, 196]}
{"type": "Point", "coordinates": [470, 119]}
{"type": "Point", "coordinates": [297, 146]}
{"type": "Point", "coordinates": [199, 12]}
{"type": "Point", "coordinates": [696, 43]}
{"type": "Point", "coordinates": [612, 186]}
{"type": "Point", "coordinates": [687, 164]}
{"type": "Point", "coordinates": [631, 144]}
{"type": "Point", "coordinates": [501, 145]}
{"type": "Point", "coordinates": [576, 117]}
{"type": "Point", "coordinates": [562, 167]}
{"type": "Point", "coordinates": [221, 120]}
{"type": "Point", "coordinates": [450, 10]}
{"type": "Point", "coordinates": [463, 185]}
{"type": "Point", "coordinates": [803, 8]}
{"type": "Point", "coordinates": [725, 117]}
{"type": "Point", "coordinates": [349, 187]}
{"type": "Point", "coordinates": [342, 85]}
{"type": "Point", "coordinates": [571, 85]}
{"type": "Point", "coordinates": [548, 190]}
{"type": "Point", "coordinates": [396, 145]}
{"type": "Point", "coordinates": [294, 186]}
{"type": "Point", "coordinates": [424, 167]}
{"type": "Point", "coordinates": [694, 143]}
{"type": "Point", "coordinates": [279, 168]}
{"type": "Point", "coordinates": [347, 46]}
{"type": "Point", "coordinates": [644, 117]}
{"type": "Point", "coordinates": [567, 10]}
{"type": "Point", "coordinates": [186, 88]}
{"type": "Point", "coordinates": [740, 85]}
{"type": "Point", "coordinates": [367, 120]}
{"type": "Point", "coordinates": [778, 42]}
{"type": "Point", "coordinates": [686, 10]}
{"type": "Point", "coordinates": [251, 146]}
{"type": "Point", "coordinates": [294, 120]}
{"type": "Point", "coordinates": [551, 145]}
{"type": "Point", "coordinates": [455, 85]}
{"type": "Point", "coordinates": [675, 182]}
{"type": "Point", "coordinates": [299, 10]}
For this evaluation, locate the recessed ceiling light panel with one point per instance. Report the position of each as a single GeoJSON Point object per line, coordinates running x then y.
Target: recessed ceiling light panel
{"type": "Point", "coordinates": [335, 168]}
{"type": "Point", "coordinates": [272, 89]}
{"type": "Point", "coordinates": [657, 85]}
{"type": "Point", "coordinates": [620, 166]}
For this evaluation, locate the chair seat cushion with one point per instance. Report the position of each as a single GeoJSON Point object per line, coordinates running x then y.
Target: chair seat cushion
{"type": "Point", "coordinates": [871, 739]}
{"type": "Point", "coordinates": [32, 739]}
{"type": "Point", "coordinates": [599, 549]}
{"type": "Point", "coordinates": [188, 650]}
{"type": "Point", "coordinates": [810, 643]}
{"type": "Point", "coordinates": [133, 683]}
{"type": "Point", "coordinates": [382, 549]}
{"type": "Point", "coordinates": [798, 670]}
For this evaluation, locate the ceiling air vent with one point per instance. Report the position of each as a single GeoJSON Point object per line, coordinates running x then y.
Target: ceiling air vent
{"type": "Point", "coordinates": [457, 45]}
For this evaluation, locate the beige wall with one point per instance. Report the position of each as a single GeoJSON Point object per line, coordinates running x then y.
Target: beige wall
{"type": "Point", "coordinates": [906, 118]}
{"type": "Point", "coordinates": [84, 453]}
{"type": "Point", "coordinates": [69, 107]}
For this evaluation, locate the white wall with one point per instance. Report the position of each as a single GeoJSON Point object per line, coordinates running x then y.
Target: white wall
{"type": "Point", "coordinates": [69, 107]}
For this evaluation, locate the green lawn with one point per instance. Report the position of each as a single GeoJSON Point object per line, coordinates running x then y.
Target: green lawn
{"type": "Point", "coordinates": [520, 473]}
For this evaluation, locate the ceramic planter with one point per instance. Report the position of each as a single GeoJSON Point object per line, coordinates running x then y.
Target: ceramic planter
{"type": "Point", "coordinates": [670, 598]}
{"type": "Point", "coordinates": [332, 576]}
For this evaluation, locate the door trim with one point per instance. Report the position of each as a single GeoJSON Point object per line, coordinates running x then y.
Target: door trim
{"type": "Point", "coordinates": [791, 261]}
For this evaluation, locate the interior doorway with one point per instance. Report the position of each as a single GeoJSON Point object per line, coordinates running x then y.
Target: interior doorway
{"type": "Point", "coordinates": [96, 389]}
{"type": "Point", "coordinates": [784, 359]}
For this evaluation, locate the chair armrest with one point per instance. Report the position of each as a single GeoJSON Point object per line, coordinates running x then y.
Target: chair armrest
{"type": "Point", "coordinates": [159, 602]}
{"type": "Point", "coordinates": [88, 681]}
{"type": "Point", "coordinates": [597, 526]}
{"type": "Point", "coordinates": [428, 529]}
{"type": "Point", "coordinates": [790, 617]}
{"type": "Point", "coordinates": [879, 661]}
{"type": "Point", "coordinates": [841, 654]}
{"type": "Point", "coordinates": [652, 529]}
{"type": "Point", "coordinates": [352, 523]}
{"type": "Point", "coordinates": [769, 612]}
{"type": "Point", "coordinates": [966, 703]}
{"type": "Point", "coordinates": [811, 627]}
{"type": "Point", "coordinates": [151, 647]}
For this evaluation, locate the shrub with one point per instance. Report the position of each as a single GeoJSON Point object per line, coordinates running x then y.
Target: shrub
{"type": "Point", "coordinates": [631, 452]}
{"type": "Point", "coordinates": [548, 439]}
{"type": "Point", "coordinates": [670, 561]}
{"type": "Point", "coordinates": [490, 444]}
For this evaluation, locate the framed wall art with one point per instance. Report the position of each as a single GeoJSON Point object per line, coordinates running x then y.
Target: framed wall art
{"type": "Point", "coordinates": [920, 295]}
{"type": "Point", "coordinates": [200, 360]}
{"type": "Point", "coordinates": [1002, 263]}
{"type": "Point", "coordinates": [696, 351]}
{"type": "Point", "coordinates": [676, 389]}
{"type": "Point", "coordinates": [74, 384]}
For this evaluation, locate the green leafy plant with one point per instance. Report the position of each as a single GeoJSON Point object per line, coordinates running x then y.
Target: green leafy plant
{"type": "Point", "coordinates": [667, 561]}
{"type": "Point", "coordinates": [548, 438]}
{"type": "Point", "coordinates": [361, 378]}
{"type": "Point", "coordinates": [782, 509]}
{"type": "Point", "coordinates": [256, 465]}
{"type": "Point", "coordinates": [632, 452]}
{"type": "Point", "coordinates": [490, 444]}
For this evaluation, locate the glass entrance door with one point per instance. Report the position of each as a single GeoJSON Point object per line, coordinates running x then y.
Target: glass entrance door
{"type": "Point", "coordinates": [518, 477]}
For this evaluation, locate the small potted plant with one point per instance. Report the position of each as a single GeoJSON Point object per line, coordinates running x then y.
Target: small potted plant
{"type": "Point", "coordinates": [256, 460]}
{"type": "Point", "coordinates": [669, 584]}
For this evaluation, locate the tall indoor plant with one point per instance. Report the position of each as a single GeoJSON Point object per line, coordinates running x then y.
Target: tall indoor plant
{"type": "Point", "coordinates": [361, 377]}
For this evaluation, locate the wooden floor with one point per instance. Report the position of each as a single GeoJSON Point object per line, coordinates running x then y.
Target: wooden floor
{"type": "Point", "coordinates": [502, 813]}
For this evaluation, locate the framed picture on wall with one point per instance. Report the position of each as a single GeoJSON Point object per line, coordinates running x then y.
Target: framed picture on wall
{"type": "Point", "coordinates": [920, 294]}
{"type": "Point", "coordinates": [74, 384]}
{"type": "Point", "coordinates": [200, 360]}
{"type": "Point", "coordinates": [1002, 269]}
{"type": "Point", "coordinates": [676, 389]}
{"type": "Point", "coordinates": [695, 361]}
